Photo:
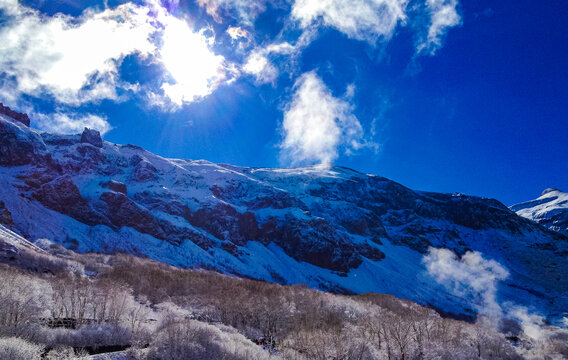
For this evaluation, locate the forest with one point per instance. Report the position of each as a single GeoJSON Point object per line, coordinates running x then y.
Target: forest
{"type": "Point", "coordinates": [58, 304]}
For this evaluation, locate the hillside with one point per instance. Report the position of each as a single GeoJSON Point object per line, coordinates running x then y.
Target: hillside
{"type": "Point", "coordinates": [57, 304]}
{"type": "Point", "coordinates": [332, 228]}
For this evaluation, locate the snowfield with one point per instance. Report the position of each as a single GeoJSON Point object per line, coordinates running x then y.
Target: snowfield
{"type": "Point", "coordinates": [334, 229]}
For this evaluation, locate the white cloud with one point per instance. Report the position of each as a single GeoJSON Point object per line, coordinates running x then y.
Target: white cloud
{"type": "Point", "coordinates": [476, 279]}
{"type": "Point", "coordinates": [73, 59]}
{"type": "Point", "coordinates": [316, 124]}
{"type": "Point", "coordinates": [76, 60]}
{"type": "Point", "coordinates": [236, 33]}
{"type": "Point", "coordinates": [258, 63]}
{"type": "Point", "coordinates": [533, 325]}
{"type": "Point", "coordinates": [471, 277]}
{"type": "Point", "coordinates": [245, 10]}
{"type": "Point", "coordinates": [70, 123]}
{"type": "Point", "coordinates": [366, 20]}
{"type": "Point", "coordinates": [443, 16]}
{"type": "Point", "coordinates": [10, 7]}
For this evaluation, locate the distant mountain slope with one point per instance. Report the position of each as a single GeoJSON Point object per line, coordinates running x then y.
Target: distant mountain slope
{"type": "Point", "coordinates": [550, 210]}
{"type": "Point", "coordinates": [335, 229]}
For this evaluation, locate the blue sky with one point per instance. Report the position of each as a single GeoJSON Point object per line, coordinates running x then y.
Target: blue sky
{"type": "Point", "coordinates": [439, 95]}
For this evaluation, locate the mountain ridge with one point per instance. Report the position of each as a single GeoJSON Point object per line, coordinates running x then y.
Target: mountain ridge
{"type": "Point", "coordinates": [332, 228]}
{"type": "Point", "coordinates": [550, 210]}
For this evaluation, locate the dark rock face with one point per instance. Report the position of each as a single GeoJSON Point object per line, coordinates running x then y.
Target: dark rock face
{"type": "Point", "coordinates": [92, 137]}
{"type": "Point", "coordinates": [21, 117]}
{"type": "Point", "coordinates": [19, 148]}
{"type": "Point", "coordinates": [115, 186]}
{"type": "Point", "coordinates": [91, 154]}
{"type": "Point", "coordinates": [315, 242]}
{"type": "Point", "coordinates": [225, 223]}
{"type": "Point", "coordinates": [63, 196]}
{"type": "Point", "coordinates": [5, 216]}
{"type": "Point", "coordinates": [321, 245]}
{"type": "Point", "coordinates": [143, 170]}
{"type": "Point", "coordinates": [124, 212]}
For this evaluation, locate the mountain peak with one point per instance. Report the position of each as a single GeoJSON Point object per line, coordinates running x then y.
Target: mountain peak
{"type": "Point", "coordinates": [549, 210]}
{"type": "Point", "coordinates": [549, 190]}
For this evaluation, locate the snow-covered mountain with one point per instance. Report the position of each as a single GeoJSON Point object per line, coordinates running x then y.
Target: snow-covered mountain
{"type": "Point", "coordinates": [331, 228]}
{"type": "Point", "coordinates": [550, 210]}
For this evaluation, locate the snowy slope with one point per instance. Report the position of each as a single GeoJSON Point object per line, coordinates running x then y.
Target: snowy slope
{"type": "Point", "coordinates": [550, 210]}
{"type": "Point", "coordinates": [13, 241]}
{"type": "Point", "coordinates": [331, 228]}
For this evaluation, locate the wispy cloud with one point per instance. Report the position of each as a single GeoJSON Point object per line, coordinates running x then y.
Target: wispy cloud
{"type": "Point", "coordinates": [471, 277]}
{"type": "Point", "coordinates": [443, 15]}
{"type": "Point", "coordinates": [260, 63]}
{"type": "Point", "coordinates": [245, 10]}
{"type": "Point", "coordinates": [476, 279]}
{"type": "Point", "coordinates": [317, 124]}
{"type": "Point", "coordinates": [70, 123]}
{"type": "Point", "coordinates": [236, 33]}
{"type": "Point", "coordinates": [367, 20]}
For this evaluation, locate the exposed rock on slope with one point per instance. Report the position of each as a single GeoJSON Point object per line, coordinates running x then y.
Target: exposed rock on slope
{"type": "Point", "coordinates": [92, 137]}
{"type": "Point", "coordinates": [23, 118]}
{"type": "Point", "coordinates": [335, 229]}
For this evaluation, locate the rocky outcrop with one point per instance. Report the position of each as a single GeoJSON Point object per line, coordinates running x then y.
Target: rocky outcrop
{"type": "Point", "coordinates": [115, 186]}
{"type": "Point", "coordinates": [143, 170]}
{"type": "Point", "coordinates": [5, 216]}
{"type": "Point", "coordinates": [63, 196]}
{"type": "Point", "coordinates": [267, 198]}
{"type": "Point", "coordinates": [225, 223]}
{"type": "Point", "coordinates": [93, 137]}
{"type": "Point", "coordinates": [315, 242]}
{"type": "Point", "coordinates": [18, 147]}
{"type": "Point", "coordinates": [21, 117]}
{"type": "Point", "coordinates": [124, 212]}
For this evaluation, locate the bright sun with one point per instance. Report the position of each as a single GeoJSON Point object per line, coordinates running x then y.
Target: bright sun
{"type": "Point", "coordinates": [188, 59]}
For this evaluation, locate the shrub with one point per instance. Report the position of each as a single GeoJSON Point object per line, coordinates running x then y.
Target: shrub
{"type": "Point", "coordinates": [190, 339]}
{"type": "Point", "coordinates": [19, 349]}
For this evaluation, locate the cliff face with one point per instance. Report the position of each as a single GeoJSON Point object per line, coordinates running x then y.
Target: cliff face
{"type": "Point", "coordinates": [332, 228]}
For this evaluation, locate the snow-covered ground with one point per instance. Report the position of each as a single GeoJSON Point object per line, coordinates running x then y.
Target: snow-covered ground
{"type": "Point", "coordinates": [550, 210]}
{"type": "Point", "coordinates": [329, 227]}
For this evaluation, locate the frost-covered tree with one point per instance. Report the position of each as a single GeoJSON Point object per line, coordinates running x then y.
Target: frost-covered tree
{"type": "Point", "coordinates": [18, 349]}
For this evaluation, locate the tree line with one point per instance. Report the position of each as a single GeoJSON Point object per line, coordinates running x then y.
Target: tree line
{"type": "Point", "coordinates": [71, 305]}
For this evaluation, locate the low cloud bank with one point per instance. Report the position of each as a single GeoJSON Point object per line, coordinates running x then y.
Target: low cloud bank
{"type": "Point", "coordinates": [476, 279]}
